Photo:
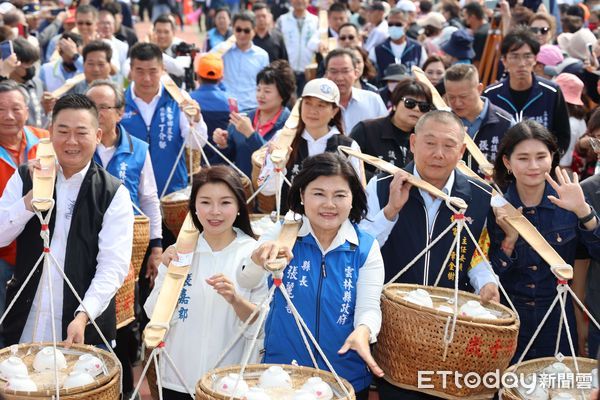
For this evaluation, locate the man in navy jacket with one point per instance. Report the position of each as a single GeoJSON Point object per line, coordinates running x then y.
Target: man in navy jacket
{"type": "Point", "coordinates": [525, 95]}
{"type": "Point", "coordinates": [396, 208]}
{"type": "Point", "coordinates": [486, 123]}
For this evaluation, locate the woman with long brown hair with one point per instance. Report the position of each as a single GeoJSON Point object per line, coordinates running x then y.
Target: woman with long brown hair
{"type": "Point", "coordinates": [211, 292]}
{"type": "Point", "coordinates": [320, 129]}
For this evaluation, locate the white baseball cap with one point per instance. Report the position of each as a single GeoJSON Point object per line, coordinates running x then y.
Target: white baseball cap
{"type": "Point", "coordinates": [323, 89]}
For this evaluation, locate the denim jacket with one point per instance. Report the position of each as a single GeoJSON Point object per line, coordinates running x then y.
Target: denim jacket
{"type": "Point", "coordinates": [525, 274]}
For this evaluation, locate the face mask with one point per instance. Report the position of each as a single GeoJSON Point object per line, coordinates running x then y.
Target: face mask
{"type": "Point", "coordinates": [391, 86]}
{"type": "Point", "coordinates": [396, 32]}
{"type": "Point", "coordinates": [29, 74]}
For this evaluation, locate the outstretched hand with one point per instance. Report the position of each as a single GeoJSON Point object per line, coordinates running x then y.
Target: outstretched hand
{"type": "Point", "coordinates": [570, 195]}
{"type": "Point", "coordinates": [358, 341]}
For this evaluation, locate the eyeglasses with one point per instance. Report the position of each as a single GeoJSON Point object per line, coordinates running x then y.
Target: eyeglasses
{"type": "Point", "coordinates": [245, 30]}
{"type": "Point", "coordinates": [395, 24]}
{"type": "Point", "coordinates": [87, 23]}
{"type": "Point", "coordinates": [412, 103]}
{"type": "Point", "coordinates": [520, 57]}
{"type": "Point", "coordinates": [349, 37]}
{"type": "Point", "coordinates": [538, 30]}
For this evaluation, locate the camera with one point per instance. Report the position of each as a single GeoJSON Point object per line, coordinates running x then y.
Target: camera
{"type": "Point", "coordinates": [190, 50]}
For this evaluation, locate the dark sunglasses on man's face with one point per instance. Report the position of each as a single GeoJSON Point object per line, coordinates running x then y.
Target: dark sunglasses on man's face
{"type": "Point", "coordinates": [412, 103]}
{"type": "Point", "coordinates": [88, 23]}
{"type": "Point", "coordinates": [245, 30]}
{"type": "Point", "coordinates": [349, 37]}
{"type": "Point", "coordinates": [538, 31]}
{"type": "Point", "coordinates": [395, 24]}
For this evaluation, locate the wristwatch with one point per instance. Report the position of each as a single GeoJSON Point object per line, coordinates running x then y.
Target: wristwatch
{"type": "Point", "coordinates": [588, 217]}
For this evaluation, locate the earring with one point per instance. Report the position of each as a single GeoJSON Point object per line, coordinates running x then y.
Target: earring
{"type": "Point", "coordinates": [509, 171]}
{"type": "Point", "coordinates": [301, 203]}
{"type": "Point", "coordinates": [238, 214]}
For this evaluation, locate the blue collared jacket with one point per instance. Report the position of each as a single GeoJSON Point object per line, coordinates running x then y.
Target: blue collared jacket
{"type": "Point", "coordinates": [127, 163]}
{"type": "Point", "coordinates": [545, 105]}
{"type": "Point", "coordinates": [323, 289]}
{"type": "Point", "coordinates": [163, 135]}
{"type": "Point", "coordinates": [385, 56]}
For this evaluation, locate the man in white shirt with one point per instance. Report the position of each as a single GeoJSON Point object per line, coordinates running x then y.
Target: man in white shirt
{"type": "Point", "coordinates": [297, 27]}
{"type": "Point", "coordinates": [91, 234]}
{"type": "Point", "coordinates": [356, 104]}
{"type": "Point", "coordinates": [378, 26]}
{"type": "Point", "coordinates": [243, 61]}
{"type": "Point", "coordinates": [106, 31]}
{"type": "Point", "coordinates": [153, 115]}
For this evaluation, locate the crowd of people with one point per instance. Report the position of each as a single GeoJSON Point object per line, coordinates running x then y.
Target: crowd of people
{"type": "Point", "coordinates": [118, 131]}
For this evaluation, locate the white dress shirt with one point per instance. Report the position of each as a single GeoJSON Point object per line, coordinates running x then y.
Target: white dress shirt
{"type": "Point", "coordinates": [147, 191]}
{"type": "Point", "coordinates": [147, 111]}
{"type": "Point", "coordinates": [114, 255]}
{"type": "Point", "coordinates": [363, 105]}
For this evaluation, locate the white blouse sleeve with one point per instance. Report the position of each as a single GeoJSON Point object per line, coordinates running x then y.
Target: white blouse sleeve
{"type": "Point", "coordinates": [251, 275]}
{"type": "Point", "coordinates": [368, 292]}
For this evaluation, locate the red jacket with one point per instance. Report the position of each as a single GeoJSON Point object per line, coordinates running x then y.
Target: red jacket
{"type": "Point", "coordinates": [8, 167]}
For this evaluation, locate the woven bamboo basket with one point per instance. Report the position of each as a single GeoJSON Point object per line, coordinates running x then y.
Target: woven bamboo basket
{"type": "Point", "coordinates": [299, 375]}
{"type": "Point", "coordinates": [174, 209]}
{"type": "Point", "coordinates": [412, 340]}
{"type": "Point", "coordinates": [586, 365]}
{"type": "Point", "coordinates": [105, 386]}
{"type": "Point", "coordinates": [265, 204]}
{"type": "Point", "coordinates": [125, 300]}
{"type": "Point", "coordinates": [141, 239]}
{"type": "Point", "coordinates": [196, 158]}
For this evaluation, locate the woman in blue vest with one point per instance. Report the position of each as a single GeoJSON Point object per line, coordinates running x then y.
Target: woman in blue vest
{"type": "Point", "coordinates": [334, 278]}
{"type": "Point", "coordinates": [527, 156]}
{"type": "Point", "coordinates": [248, 133]}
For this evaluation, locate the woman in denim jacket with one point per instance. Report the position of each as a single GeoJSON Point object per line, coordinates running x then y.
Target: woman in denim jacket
{"type": "Point", "coordinates": [558, 209]}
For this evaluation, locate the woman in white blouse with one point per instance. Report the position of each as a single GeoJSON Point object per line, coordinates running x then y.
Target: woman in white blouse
{"type": "Point", "coordinates": [334, 277]}
{"type": "Point", "coordinates": [212, 306]}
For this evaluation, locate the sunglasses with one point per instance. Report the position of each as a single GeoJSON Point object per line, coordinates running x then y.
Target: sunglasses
{"type": "Point", "coordinates": [245, 30]}
{"type": "Point", "coordinates": [87, 23]}
{"type": "Point", "coordinates": [537, 30]}
{"type": "Point", "coordinates": [349, 37]}
{"type": "Point", "coordinates": [395, 24]}
{"type": "Point", "coordinates": [412, 103]}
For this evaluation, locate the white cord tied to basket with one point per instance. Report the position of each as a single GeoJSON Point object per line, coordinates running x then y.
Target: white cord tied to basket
{"type": "Point", "coordinates": [302, 327]}
{"type": "Point", "coordinates": [46, 257]}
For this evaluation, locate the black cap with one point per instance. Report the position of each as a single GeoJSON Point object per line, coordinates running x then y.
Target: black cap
{"type": "Point", "coordinates": [395, 72]}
